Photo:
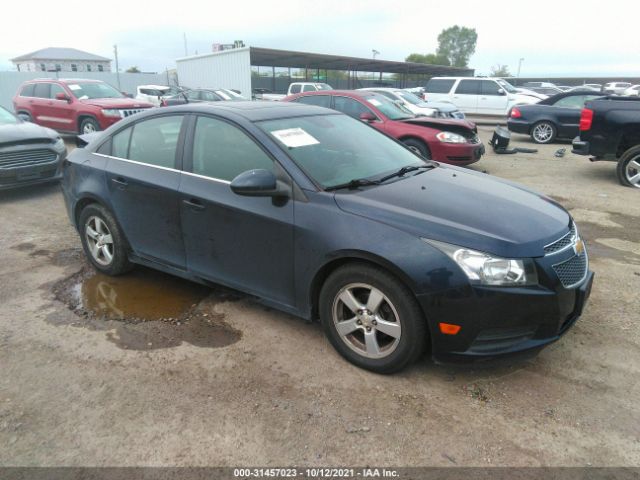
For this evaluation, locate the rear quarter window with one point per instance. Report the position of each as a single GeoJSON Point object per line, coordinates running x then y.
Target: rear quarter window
{"type": "Point", "coordinates": [439, 86]}
{"type": "Point", "coordinates": [295, 88]}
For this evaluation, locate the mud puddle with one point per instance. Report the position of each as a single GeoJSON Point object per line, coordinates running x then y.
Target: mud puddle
{"type": "Point", "coordinates": [145, 309]}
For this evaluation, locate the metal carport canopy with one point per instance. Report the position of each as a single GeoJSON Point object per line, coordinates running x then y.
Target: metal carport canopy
{"type": "Point", "coordinates": [268, 57]}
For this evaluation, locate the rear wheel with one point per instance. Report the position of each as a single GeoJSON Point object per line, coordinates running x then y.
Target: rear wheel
{"type": "Point", "coordinates": [371, 318]}
{"type": "Point", "coordinates": [89, 125]}
{"type": "Point", "coordinates": [543, 132]}
{"type": "Point", "coordinates": [628, 169]}
{"type": "Point", "coordinates": [417, 146]}
{"type": "Point", "coordinates": [103, 241]}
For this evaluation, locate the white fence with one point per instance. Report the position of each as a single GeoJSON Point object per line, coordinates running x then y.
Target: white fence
{"type": "Point", "coordinates": [10, 81]}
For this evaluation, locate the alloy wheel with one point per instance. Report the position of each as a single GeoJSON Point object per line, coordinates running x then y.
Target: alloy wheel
{"type": "Point", "coordinates": [366, 320]}
{"type": "Point", "coordinates": [88, 128]}
{"type": "Point", "coordinates": [99, 240]}
{"type": "Point", "coordinates": [632, 171]}
{"type": "Point", "coordinates": [542, 132]}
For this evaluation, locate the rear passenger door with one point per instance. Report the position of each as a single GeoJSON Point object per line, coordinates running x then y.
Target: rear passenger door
{"type": "Point", "coordinates": [40, 104]}
{"type": "Point", "coordinates": [466, 94]}
{"type": "Point", "coordinates": [239, 241]}
{"type": "Point", "coordinates": [143, 176]}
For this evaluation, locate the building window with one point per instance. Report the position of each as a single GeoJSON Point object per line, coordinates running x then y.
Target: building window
{"type": "Point", "coordinates": [88, 68]}
{"type": "Point", "coordinates": [43, 67]}
{"type": "Point", "coordinates": [101, 68]}
{"type": "Point", "coordinates": [74, 67]}
{"type": "Point", "coordinates": [58, 67]}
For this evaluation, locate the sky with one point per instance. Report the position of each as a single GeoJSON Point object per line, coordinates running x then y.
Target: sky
{"type": "Point", "coordinates": [562, 38]}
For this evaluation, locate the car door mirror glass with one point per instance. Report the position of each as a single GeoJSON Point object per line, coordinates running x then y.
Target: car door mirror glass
{"type": "Point", "coordinates": [258, 183]}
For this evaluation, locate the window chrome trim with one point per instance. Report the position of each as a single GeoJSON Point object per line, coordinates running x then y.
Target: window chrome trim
{"type": "Point", "coordinates": [219, 180]}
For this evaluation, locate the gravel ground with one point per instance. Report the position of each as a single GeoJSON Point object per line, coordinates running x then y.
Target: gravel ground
{"type": "Point", "coordinates": [247, 385]}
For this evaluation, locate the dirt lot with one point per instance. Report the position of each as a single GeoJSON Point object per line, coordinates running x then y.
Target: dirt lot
{"type": "Point", "coordinates": [221, 380]}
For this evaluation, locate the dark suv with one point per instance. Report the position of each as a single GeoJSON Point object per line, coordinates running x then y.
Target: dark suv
{"type": "Point", "coordinates": [73, 105]}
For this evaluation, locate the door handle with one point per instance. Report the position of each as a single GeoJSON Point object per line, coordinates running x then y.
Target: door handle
{"type": "Point", "coordinates": [121, 182]}
{"type": "Point", "coordinates": [193, 204]}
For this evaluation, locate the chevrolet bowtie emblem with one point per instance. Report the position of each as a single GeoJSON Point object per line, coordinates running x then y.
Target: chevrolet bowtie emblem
{"type": "Point", "coordinates": [579, 247]}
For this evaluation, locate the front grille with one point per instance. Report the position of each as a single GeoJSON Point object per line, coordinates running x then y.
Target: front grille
{"type": "Point", "coordinates": [124, 113]}
{"type": "Point", "coordinates": [562, 243]}
{"type": "Point", "coordinates": [28, 158]}
{"type": "Point", "coordinates": [572, 271]}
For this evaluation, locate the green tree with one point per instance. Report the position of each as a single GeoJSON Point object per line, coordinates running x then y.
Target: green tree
{"type": "Point", "coordinates": [457, 44]}
{"type": "Point", "coordinates": [133, 70]}
{"type": "Point", "coordinates": [500, 71]}
{"type": "Point", "coordinates": [429, 58]}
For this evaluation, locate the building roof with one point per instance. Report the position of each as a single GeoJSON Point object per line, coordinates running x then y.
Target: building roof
{"type": "Point", "coordinates": [269, 57]}
{"type": "Point", "coordinates": [55, 53]}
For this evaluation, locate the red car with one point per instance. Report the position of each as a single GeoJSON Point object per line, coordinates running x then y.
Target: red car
{"type": "Point", "coordinates": [445, 140]}
{"type": "Point", "coordinates": [73, 105]}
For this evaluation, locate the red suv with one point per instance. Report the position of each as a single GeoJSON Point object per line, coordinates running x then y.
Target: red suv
{"type": "Point", "coordinates": [73, 105]}
{"type": "Point", "coordinates": [446, 140]}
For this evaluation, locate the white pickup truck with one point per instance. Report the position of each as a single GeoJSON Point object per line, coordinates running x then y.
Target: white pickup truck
{"type": "Point", "coordinates": [295, 87]}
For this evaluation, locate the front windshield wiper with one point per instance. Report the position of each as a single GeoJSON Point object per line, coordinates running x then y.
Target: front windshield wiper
{"type": "Point", "coordinates": [403, 171]}
{"type": "Point", "coordinates": [354, 183]}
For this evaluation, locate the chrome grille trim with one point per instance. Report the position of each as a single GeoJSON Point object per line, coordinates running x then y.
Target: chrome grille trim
{"type": "Point", "coordinates": [127, 112]}
{"type": "Point", "coordinates": [26, 158]}
{"type": "Point", "coordinates": [563, 243]}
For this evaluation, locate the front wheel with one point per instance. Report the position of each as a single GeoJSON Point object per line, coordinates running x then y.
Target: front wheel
{"type": "Point", "coordinates": [371, 318]}
{"type": "Point", "coordinates": [103, 241]}
{"type": "Point", "coordinates": [628, 169]}
{"type": "Point", "coordinates": [543, 132]}
{"type": "Point", "coordinates": [89, 125]}
{"type": "Point", "coordinates": [418, 147]}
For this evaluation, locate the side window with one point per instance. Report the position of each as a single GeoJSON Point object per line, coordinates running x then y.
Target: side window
{"type": "Point", "coordinates": [350, 106]}
{"type": "Point", "coordinates": [154, 141]}
{"type": "Point", "coordinates": [439, 86]}
{"type": "Point", "coordinates": [193, 95]}
{"type": "Point", "coordinates": [41, 90]}
{"type": "Point", "coordinates": [209, 96]}
{"type": "Point", "coordinates": [223, 151]}
{"type": "Point", "coordinates": [27, 90]}
{"type": "Point", "coordinates": [308, 88]}
{"type": "Point", "coordinates": [319, 100]}
{"type": "Point", "coordinates": [295, 88]}
{"type": "Point", "coordinates": [120, 143]}
{"type": "Point", "coordinates": [468, 87]}
{"type": "Point", "coordinates": [55, 89]}
{"type": "Point", "coordinates": [489, 87]}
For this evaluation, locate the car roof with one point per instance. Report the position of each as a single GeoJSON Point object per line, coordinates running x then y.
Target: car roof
{"type": "Point", "coordinates": [157, 87]}
{"type": "Point", "coordinates": [384, 89]}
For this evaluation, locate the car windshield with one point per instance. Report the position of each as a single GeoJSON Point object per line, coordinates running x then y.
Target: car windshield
{"type": "Point", "coordinates": [393, 110]}
{"type": "Point", "coordinates": [7, 118]}
{"type": "Point", "coordinates": [86, 91]}
{"type": "Point", "coordinates": [409, 97]}
{"type": "Point", "coordinates": [335, 149]}
{"type": "Point", "coordinates": [230, 95]}
{"type": "Point", "coordinates": [507, 86]}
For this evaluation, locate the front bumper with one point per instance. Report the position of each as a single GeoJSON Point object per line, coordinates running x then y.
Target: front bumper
{"type": "Point", "coordinates": [498, 321]}
{"type": "Point", "coordinates": [458, 153]}
{"type": "Point", "coordinates": [25, 165]}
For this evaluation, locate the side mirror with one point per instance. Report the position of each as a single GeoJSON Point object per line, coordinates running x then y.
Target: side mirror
{"type": "Point", "coordinates": [63, 96]}
{"type": "Point", "coordinates": [501, 91]}
{"type": "Point", "coordinates": [259, 183]}
{"type": "Point", "coordinates": [368, 117]}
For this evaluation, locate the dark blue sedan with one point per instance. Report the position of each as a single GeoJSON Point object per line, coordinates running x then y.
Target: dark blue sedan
{"type": "Point", "coordinates": [321, 216]}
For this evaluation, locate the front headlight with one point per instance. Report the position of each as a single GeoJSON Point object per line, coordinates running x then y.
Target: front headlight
{"type": "Point", "coordinates": [59, 145]}
{"type": "Point", "coordinates": [110, 112]}
{"type": "Point", "coordinates": [484, 269]}
{"type": "Point", "coordinates": [450, 137]}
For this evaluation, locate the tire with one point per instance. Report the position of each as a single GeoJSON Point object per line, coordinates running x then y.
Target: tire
{"type": "Point", "coordinates": [89, 125]}
{"type": "Point", "coordinates": [628, 169]}
{"type": "Point", "coordinates": [397, 327]}
{"type": "Point", "coordinates": [26, 116]}
{"type": "Point", "coordinates": [102, 240]}
{"type": "Point", "coordinates": [543, 132]}
{"type": "Point", "coordinates": [417, 146]}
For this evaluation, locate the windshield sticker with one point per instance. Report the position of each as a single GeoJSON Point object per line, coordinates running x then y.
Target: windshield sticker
{"type": "Point", "coordinates": [375, 102]}
{"type": "Point", "coordinates": [74, 87]}
{"type": "Point", "coordinates": [295, 137]}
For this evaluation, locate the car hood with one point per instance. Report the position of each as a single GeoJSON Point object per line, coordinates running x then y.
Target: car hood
{"type": "Point", "coordinates": [450, 124]}
{"type": "Point", "coordinates": [17, 133]}
{"type": "Point", "coordinates": [116, 103]}
{"type": "Point", "coordinates": [463, 208]}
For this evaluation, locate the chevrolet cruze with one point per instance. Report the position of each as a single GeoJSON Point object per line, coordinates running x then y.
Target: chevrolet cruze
{"type": "Point", "coordinates": [322, 216]}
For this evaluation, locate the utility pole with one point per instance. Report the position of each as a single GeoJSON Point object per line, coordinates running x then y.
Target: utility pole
{"type": "Point", "coordinates": [519, 66]}
{"type": "Point", "coordinates": [115, 52]}
{"type": "Point", "coordinates": [186, 53]}
{"type": "Point", "coordinates": [375, 52]}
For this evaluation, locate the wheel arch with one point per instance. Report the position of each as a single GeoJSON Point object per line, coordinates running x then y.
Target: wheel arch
{"type": "Point", "coordinates": [351, 256]}
{"type": "Point", "coordinates": [84, 115]}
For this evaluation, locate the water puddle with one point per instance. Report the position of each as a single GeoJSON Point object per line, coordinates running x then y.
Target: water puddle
{"type": "Point", "coordinates": [145, 309]}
